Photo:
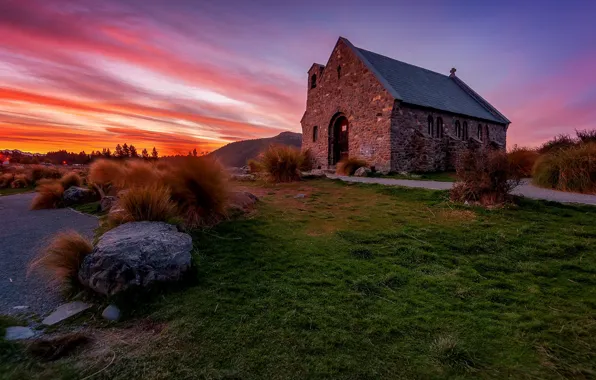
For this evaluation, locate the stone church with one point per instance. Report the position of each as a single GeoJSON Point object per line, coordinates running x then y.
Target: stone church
{"type": "Point", "coordinates": [396, 116]}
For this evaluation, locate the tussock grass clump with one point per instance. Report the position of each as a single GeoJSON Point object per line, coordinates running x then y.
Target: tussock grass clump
{"type": "Point", "coordinates": [60, 260]}
{"type": "Point", "coordinates": [150, 203]}
{"type": "Point", "coordinates": [447, 352]}
{"type": "Point", "coordinates": [522, 160]}
{"type": "Point", "coordinates": [307, 161]}
{"type": "Point", "coordinates": [255, 166]}
{"type": "Point", "coordinates": [49, 195]}
{"type": "Point", "coordinates": [572, 169]}
{"type": "Point", "coordinates": [20, 181]}
{"type": "Point", "coordinates": [484, 177]}
{"type": "Point", "coordinates": [283, 163]}
{"type": "Point", "coordinates": [70, 179]}
{"type": "Point", "coordinates": [586, 136]}
{"type": "Point", "coordinates": [562, 141]}
{"type": "Point", "coordinates": [349, 165]}
{"type": "Point", "coordinates": [39, 172]}
{"type": "Point", "coordinates": [6, 180]}
{"type": "Point", "coordinates": [106, 172]}
{"type": "Point", "coordinates": [199, 189]}
{"type": "Point", "coordinates": [138, 173]}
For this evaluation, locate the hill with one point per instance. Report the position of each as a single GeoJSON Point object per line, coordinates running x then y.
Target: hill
{"type": "Point", "coordinates": [237, 153]}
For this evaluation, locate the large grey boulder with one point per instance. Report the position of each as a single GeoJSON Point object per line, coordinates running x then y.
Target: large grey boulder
{"type": "Point", "coordinates": [136, 254]}
{"type": "Point", "coordinates": [75, 195]}
{"type": "Point", "coordinates": [362, 172]}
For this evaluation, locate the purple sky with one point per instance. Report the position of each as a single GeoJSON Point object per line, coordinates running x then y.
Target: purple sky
{"type": "Point", "coordinates": [178, 74]}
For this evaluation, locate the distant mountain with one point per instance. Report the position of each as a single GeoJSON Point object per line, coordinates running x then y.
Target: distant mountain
{"type": "Point", "coordinates": [237, 153]}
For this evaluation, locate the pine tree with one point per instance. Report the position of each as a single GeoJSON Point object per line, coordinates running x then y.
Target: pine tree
{"type": "Point", "coordinates": [133, 152]}
{"type": "Point", "coordinates": [154, 154]}
{"type": "Point", "coordinates": [145, 154]}
{"type": "Point", "coordinates": [118, 152]}
{"type": "Point", "coordinates": [125, 151]}
{"type": "Point", "coordinates": [194, 152]}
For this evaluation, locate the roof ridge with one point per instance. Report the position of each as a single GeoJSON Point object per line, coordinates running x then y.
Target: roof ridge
{"type": "Point", "coordinates": [478, 98]}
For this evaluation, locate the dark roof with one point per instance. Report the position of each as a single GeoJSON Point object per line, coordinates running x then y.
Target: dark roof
{"type": "Point", "coordinates": [415, 85]}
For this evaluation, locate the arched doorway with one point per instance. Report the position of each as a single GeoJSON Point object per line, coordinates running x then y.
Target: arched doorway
{"type": "Point", "coordinates": [338, 142]}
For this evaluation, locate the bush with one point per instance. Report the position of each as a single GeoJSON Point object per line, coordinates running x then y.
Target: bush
{"type": "Point", "coordinates": [349, 165]}
{"type": "Point", "coordinates": [254, 166]}
{"type": "Point", "coordinates": [70, 179]}
{"type": "Point", "coordinates": [20, 181]}
{"type": "Point", "coordinates": [586, 136]}
{"type": "Point", "coordinates": [484, 177]}
{"type": "Point", "coordinates": [198, 188]}
{"type": "Point", "coordinates": [307, 161]}
{"type": "Point", "coordinates": [106, 172]}
{"type": "Point", "coordinates": [60, 260]}
{"type": "Point", "coordinates": [49, 195]}
{"type": "Point", "coordinates": [572, 169]}
{"type": "Point", "coordinates": [283, 163]}
{"type": "Point", "coordinates": [138, 173]}
{"type": "Point", "coordinates": [39, 172]}
{"type": "Point", "coordinates": [151, 203]}
{"type": "Point", "coordinates": [6, 180]}
{"type": "Point", "coordinates": [562, 141]}
{"type": "Point", "coordinates": [522, 160]}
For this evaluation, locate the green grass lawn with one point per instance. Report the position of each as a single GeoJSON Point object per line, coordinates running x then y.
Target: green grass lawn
{"type": "Point", "coordinates": [432, 176]}
{"type": "Point", "coordinates": [11, 191]}
{"type": "Point", "coordinates": [369, 282]}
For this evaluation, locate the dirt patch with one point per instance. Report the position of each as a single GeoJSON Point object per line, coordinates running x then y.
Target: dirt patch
{"type": "Point", "coordinates": [457, 215]}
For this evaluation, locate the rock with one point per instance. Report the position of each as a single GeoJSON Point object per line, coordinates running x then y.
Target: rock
{"type": "Point", "coordinates": [384, 172]}
{"type": "Point", "coordinates": [111, 313]}
{"type": "Point", "coordinates": [404, 173]}
{"type": "Point", "coordinates": [65, 311]}
{"type": "Point", "coordinates": [107, 202]}
{"type": "Point", "coordinates": [298, 196]}
{"type": "Point", "coordinates": [242, 200]}
{"type": "Point", "coordinates": [362, 172]}
{"type": "Point", "coordinates": [18, 333]}
{"type": "Point", "coordinates": [136, 254]}
{"type": "Point", "coordinates": [243, 177]}
{"type": "Point", "coordinates": [76, 195]}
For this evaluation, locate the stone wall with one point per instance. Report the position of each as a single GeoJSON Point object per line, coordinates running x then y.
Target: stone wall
{"type": "Point", "coordinates": [413, 149]}
{"type": "Point", "coordinates": [360, 97]}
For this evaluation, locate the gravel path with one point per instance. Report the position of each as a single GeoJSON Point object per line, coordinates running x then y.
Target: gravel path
{"type": "Point", "coordinates": [22, 233]}
{"type": "Point", "coordinates": [525, 189]}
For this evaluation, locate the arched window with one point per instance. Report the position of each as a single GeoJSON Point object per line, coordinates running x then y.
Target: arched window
{"type": "Point", "coordinates": [315, 133]}
{"type": "Point", "coordinates": [338, 71]}
{"type": "Point", "coordinates": [465, 131]}
{"type": "Point", "coordinates": [458, 129]}
{"type": "Point", "coordinates": [439, 130]}
{"type": "Point", "coordinates": [431, 126]}
{"type": "Point", "coordinates": [479, 132]}
{"type": "Point", "coordinates": [313, 81]}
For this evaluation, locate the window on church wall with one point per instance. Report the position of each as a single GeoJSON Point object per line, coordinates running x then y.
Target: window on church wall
{"type": "Point", "coordinates": [458, 129]}
{"type": "Point", "coordinates": [431, 126]}
{"type": "Point", "coordinates": [315, 134]}
{"type": "Point", "coordinates": [439, 131]}
{"type": "Point", "coordinates": [479, 132]}
{"type": "Point", "coordinates": [313, 81]}
{"type": "Point", "coordinates": [465, 131]}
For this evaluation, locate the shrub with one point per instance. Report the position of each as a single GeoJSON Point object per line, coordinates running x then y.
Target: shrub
{"type": "Point", "coordinates": [138, 173]}
{"type": "Point", "coordinates": [522, 160]}
{"type": "Point", "coordinates": [70, 179]}
{"type": "Point", "coordinates": [586, 136]}
{"type": "Point", "coordinates": [283, 163]}
{"type": "Point", "coordinates": [571, 169]}
{"type": "Point", "coordinates": [39, 172]}
{"type": "Point", "coordinates": [349, 165]}
{"type": "Point", "coordinates": [562, 141]}
{"type": "Point", "coordinates": [255, 166]}
{"type": "Point", "coordinates": [20, 181]}
{"type": "Point", "coordinates": [106, 172]}
{"type": "Point", "coordinates": [484, 177]}
{"type": "Point", "coordinates": [150, 203]}
{"type": "Point", "coordinates": [49, 195]}
{"type": "Point", "coordinates": [198, 188]}
{"type": "Point", "coordinates": [6, 180]}
{"type": "Point", "coordinates": [307, 161]}
{"type": "Point", "coordinates": [60, 260]}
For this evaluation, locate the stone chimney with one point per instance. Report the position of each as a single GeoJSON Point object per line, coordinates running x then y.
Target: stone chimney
{"type": "Point", "coordinates": [453, 70]}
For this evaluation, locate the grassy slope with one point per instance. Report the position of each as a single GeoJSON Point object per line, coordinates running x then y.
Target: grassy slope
{"type": "Point", "coordinates": [11, 191]}
{"type": "Point", "coordinates": [361, 282]}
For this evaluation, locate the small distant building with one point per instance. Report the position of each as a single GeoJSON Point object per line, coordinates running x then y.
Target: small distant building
{"type": "Point", "coordinates": [396, 116]}
{"type": "Point", "coordinates": [6, 162]}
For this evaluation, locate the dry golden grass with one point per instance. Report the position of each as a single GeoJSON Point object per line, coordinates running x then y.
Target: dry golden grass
{"type": "Point", "coordinates": [283, 163]}
{"type": "Point", "coordinates": [20, 181]}
{"type": "Point", "coordinates": [349, 165]}
{"type": "Point", "coordinates": [199, 188]}
{"type": "Point", "coordinates": [49, 195]}
{"type": "Point", "coordinates": [106, 172]}
{"type": "Point", "coordinates": [6, 180]}
{"type": "Point", "coordinates": [522, 160]}
{"type": "Point", "coordinates": [151, 203]}
{"type": "Point", "coordinates": [70, 179]}
{"type": "Point", "coordinates": [60, 260]}
{"type": "Point", "coordinates": [138, 173]}
{"type": "Point", "coordinates": [39, 171]}
{"type": "Point", "coordinates": [255, 166]}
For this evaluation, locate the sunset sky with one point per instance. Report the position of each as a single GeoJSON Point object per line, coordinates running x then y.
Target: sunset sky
{"type": "Point", "coordinates": [179, 74]}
